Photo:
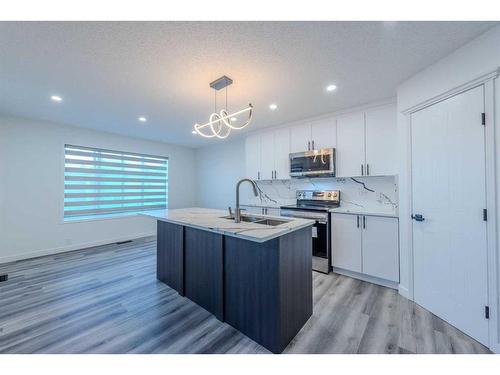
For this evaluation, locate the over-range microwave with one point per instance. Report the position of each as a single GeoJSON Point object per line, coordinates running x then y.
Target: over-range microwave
{"type": "Point", "coordinates": [314, 163]}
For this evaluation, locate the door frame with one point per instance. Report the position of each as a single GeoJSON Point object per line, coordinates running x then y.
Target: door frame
{"type": "Point", "coordinates": [492, 138]}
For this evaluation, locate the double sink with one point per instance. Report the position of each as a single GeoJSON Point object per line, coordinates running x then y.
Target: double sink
{"type": "Point", "coordinates": [258, 220]}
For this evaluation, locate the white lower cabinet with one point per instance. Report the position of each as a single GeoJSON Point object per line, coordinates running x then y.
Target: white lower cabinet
{"type": "Point", "coordinates": [380, 247]}
{"type": "Point", "coordinates": [367, 245]}
{"type": "Point", "coordinates": [346, 242]}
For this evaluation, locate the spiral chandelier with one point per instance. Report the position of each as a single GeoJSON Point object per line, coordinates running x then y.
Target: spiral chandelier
{"type": "Point", "coordinates": [221, 123]}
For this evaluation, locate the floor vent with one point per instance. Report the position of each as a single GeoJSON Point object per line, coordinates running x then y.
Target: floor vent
{"type": "Point", "coordinates": [122, 242]}
{"type": "Point", "coordinates": [4, 278]}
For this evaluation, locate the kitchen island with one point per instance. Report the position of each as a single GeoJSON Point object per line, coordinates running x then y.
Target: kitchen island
{"type": "Point", "coordinates": [255, 276]}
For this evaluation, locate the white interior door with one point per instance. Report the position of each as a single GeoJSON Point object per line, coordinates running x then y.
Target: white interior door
{"type": "Point", "coordinates": [350, 153]}
{"type": "Point", "coordinates": [448, 178]}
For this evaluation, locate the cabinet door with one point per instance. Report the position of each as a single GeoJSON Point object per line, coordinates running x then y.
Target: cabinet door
{"type": "Point", "coordinates": [380, 247]}
{"type": "Point", "coordinates": [381, 134]}
{"type": "Point", "coordinates": [350, 153]}
{"type": "Point", "coordinates": [282, 153]}
{"type": "Point", "coordinates": [267, 155]}
{"type": "Point", "coordinates": [346, 242]}
{"type": "Point", "coordinates": [324, 134]}
{"type": "Point", "coordinates": [299, 137]}
{"type": "Point", "coordinates": [273, 211]}
{"type": "Point", "coordinates": [252, 156]}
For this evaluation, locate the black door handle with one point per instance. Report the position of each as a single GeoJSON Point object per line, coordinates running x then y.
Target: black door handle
{"type": "Point", "coordinates": [417, 217]}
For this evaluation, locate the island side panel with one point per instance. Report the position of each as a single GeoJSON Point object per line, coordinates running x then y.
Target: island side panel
{"type": "Point", "coordinates": [296, 299]}
{"type": "Point", "coordinates": [170, 255]}
{"type": "Point", "coordinates": [203, 269]}
{"type": "Point", "coordinates": [251, 289]}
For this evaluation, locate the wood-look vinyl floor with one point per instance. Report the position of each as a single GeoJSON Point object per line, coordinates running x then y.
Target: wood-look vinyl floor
{"type": "Point", "coordinates": [106, 299]}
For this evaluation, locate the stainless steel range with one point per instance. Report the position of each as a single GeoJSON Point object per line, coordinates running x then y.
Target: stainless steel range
{"type": "Point", "coordinates": [315, 205]}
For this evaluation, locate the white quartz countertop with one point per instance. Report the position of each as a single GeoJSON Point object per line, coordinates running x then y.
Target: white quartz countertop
{"type": "Point", "coordinates": [213, 220]}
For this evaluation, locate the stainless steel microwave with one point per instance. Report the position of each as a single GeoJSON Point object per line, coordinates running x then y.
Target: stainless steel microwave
{"type": "Point", "coordinates": [314, 163]}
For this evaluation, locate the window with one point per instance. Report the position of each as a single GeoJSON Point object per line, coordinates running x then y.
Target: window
{"type": "Point", "coordinates": [101, 182]}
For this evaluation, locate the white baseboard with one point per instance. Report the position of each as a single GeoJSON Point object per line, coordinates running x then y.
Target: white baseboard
{"type": "Point", "coordinates": [370, 279]}
{"type": "Point", "coordinates": [63, 249]}
{"type": "Point", "coordinates": [404, 291]}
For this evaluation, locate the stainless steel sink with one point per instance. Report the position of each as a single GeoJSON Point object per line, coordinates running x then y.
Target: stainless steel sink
{"type": "Point", "coordinates": [258, 220]}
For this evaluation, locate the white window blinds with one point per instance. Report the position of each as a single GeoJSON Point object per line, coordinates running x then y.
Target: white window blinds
{"type": "Point", "coordinates": [101, 182]}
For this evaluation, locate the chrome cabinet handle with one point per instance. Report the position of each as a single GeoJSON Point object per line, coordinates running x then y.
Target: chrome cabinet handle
{"type": "Point", "coordinates": [313, 145]}
{"type": "Point", "coordinates": [364, 222]}
{"type": "Point", "coordinates": [367, 169]}
{"type": "Point", "coordinates": [362, 170]}
{"type": "Point", "coordinates": [258, 175]}
{"type": "Point", "coordinates": [308, 145]}
{"type": "Point", "coordinates": [357, 221]}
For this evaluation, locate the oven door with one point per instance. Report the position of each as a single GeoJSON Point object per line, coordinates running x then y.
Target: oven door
{"type": "Point", "coordinates": [313, 163]}
{"type": "Point", "coordinates": [320, 237]}
{"type": "Point", "coordinates": [320, 247]}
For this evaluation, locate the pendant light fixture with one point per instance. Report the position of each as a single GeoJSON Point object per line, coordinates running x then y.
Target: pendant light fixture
{"type": "Point", "coordinates": [220, 124]}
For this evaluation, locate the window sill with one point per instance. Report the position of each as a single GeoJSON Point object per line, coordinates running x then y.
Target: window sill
{"type": "Point", "coordinates": [82, 219]}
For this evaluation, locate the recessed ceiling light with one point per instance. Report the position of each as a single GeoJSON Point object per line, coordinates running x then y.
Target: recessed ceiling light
{"type": "Point", "coordinates": [273, 107]}
{"type": "Point", "coordinates": [56, 98]}
{"type": "Point", "coordinates": [234, 119]}
{"type": "Point", "coordinates": [142, 119]}
{"type": "Point", "coordinates": [193, 132]}
{"type": "Point", "coordinates": [331, 88]}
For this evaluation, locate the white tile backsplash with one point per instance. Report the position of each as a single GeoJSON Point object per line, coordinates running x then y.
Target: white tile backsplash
{"type": "Point", "coordinates": [353, 195]}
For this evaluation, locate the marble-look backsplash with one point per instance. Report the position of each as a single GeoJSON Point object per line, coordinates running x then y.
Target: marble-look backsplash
{"type": "Point", "coordinates": [353, 195]}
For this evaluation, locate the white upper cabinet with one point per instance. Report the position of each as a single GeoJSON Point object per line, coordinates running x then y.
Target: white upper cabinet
{"type": "Point", "coordinates": [281, 153]}
{"type": "Point", "coordinates": [350, 151]}
{"type": "Point", "coordinates": [300, 138]}
{"type": "Point", "coordinates": [267, 152]}
{"type": "Point", "coordinates": [313, 136]}
{"type": "Point", "coordinates": [267, 155]}
{"type": "Point", "coordinates": [252, 156]}
{"type": "Point", "coordinates": [323, 134]}
{"type": "Point", "coordinates": [381, 138]}
{"type": "Point", "coordinates": [365, 144]}
{"type": "Point", "coordinates": [380, 247]}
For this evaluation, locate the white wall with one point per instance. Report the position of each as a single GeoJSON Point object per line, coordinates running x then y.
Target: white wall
{"type": "Point", "coordinates": [480, 56]}
{"type": "Point", "coordinates": [31, 188]}
{"type": "Point", "coordinates": [219, 167]}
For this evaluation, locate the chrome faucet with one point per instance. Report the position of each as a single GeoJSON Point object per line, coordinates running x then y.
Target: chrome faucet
{"type": "Point", "coordinates": [237, 210]}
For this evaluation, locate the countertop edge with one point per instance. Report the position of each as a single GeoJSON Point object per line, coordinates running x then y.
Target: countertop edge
{"type": "Point", "coordinates": [283, 232]}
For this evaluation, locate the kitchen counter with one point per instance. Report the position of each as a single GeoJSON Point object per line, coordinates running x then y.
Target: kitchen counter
{"type": "Point", "coordinates": [255, 277]}
{"type": "Point", "coordinates": [213, 221]}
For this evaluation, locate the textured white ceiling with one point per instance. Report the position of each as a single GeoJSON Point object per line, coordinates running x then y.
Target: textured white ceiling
{"type": "Point", "coordinates": [109, 73]}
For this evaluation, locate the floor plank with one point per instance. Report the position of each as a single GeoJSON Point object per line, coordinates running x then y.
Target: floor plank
{"type": "Point", "coordinates": [106, 299]}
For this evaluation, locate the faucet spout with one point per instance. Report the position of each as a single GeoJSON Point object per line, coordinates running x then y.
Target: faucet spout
{"type": "Point", "coordinates": [237, 210]}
